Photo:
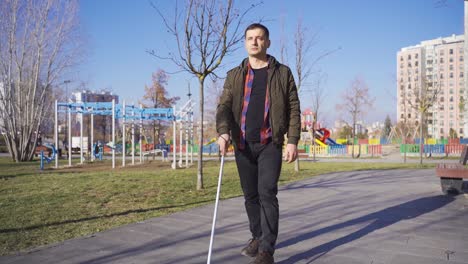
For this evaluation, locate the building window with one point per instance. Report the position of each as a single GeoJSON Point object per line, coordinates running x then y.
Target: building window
{"type": "Point", "coordinates": [401, 58]}
{"type": "Point", "coordinates": [451, 75]}
{"type": "Point", "coordinates": [451, 107]}
{"type": "Point", "coordinates": [451, 51]}
{"type": "Point", "coordinates": [461, 74]}
{"type": "Point", "coordinates": [451, 59]}
{"type": "Point", "coordinates": [451, 100]}
{"type": "Point", "coordinates": [451, 67]}
{"type": "Point", "coordinates": [441, 76]}
{"type": "Point", "coordinates": [402, 116]}
{"type": "Point", "coordinates": [441, 60]}
{"type": "Point", "coordinates": [451, 91]}
{"type": "Point", "coordinates": [441, 130]}
{"type": "Point", "coordinates": [416, 63]}
{"type": "Point", "coordinates": [409, 115]}
{"type": "Point", "coordinates": [441, 53]}
{"type": "Point", "coordinates": [461, 130]}
{"type": "Point", "coordinates": [461, 58]}
{"type": "Point", "coordinates": [409, 56]}
{"type": "Point", "coordinates": [416, 55]}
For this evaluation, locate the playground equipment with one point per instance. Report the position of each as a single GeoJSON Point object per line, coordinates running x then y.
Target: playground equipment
{"type": "Point", "coordinates": [322, 137]}
{"type": "Point", "coordinates": [130, 115]}
{"type": "Point", "coordinates": [45, 157]}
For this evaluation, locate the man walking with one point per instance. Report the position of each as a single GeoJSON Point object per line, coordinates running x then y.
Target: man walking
{"type": "Point", "coordinates": [259, 105]}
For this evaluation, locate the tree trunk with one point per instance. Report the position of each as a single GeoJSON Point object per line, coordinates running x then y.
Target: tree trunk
{"type": "Point", "coordinates": [296, 163]}
{"type": "Point", "coordinates": [313, 139]}
{"type": "Point", "coordinates": [404, 149]}
{"type": "Point", "coordinates": [421, 140]}
{"type": "Point", "coordinates": [201, 80]}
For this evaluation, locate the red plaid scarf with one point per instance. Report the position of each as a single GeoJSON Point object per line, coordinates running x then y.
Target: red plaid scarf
{"type": "Point", "coordinates": [265, 131]}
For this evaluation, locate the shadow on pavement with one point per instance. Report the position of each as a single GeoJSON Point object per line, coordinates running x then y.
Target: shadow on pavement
{"type": "Point", "coordinates": [377, 220]}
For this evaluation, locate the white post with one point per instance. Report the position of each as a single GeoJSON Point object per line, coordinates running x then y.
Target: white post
{"type": "Point", "coordinates": [56, 133]}
{"type": "Point", "coordinates": [141, 134]}
{"type": "Point", "coordinates": [92, 135]}
{"type": "Point", "coordinates": [191, 136]}
{"type": "Point", "coordinates": [133, 134]}
{"type": "Point", "coordinates": [174, 139]}
{"type": "Point", "coordinates": [69, 137]}
{"type": "Point", "coordinates": [186, 141]}
{"type": "Point", "coordinates": [81, 135]}
{"type": "Point", "coordinates": [181, 145]}
{"type": "Point", "coordinates": [113, 133]}
{"type": "Point", "coordinates": [123, 135]}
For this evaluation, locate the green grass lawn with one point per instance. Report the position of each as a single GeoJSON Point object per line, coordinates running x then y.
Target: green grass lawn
{"type": "Point", "coordinates": [42, 207]}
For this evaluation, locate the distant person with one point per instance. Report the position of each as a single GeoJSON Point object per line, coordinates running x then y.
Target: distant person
{"type": "Point", "coordinates": [258, 106]}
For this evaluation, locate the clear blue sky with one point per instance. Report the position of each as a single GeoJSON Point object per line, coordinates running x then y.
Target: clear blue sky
{"type": "Point", "coordinates": [369, 32]}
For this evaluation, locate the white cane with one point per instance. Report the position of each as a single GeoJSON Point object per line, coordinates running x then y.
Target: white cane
{"type": "Point", "coordinates": [215, 209]}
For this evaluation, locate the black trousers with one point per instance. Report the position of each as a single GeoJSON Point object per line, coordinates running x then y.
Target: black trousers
{"type": "Point", "coordinates": [259, 168]}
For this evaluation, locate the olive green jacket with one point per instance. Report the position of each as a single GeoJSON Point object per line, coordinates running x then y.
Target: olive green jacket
{"type": "Point", "coordinates": [284, 110]}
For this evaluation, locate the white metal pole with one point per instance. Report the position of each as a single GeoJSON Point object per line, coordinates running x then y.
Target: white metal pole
{"type": "Point", "coordinates": [123, 134]}
{"type": "Point", "coordinates": [113, 133]}
{"type": "Point", "coordinates": [56, 133]}
{"type": "Point", "coordinates": [69, 137]}
{"type": "Point", "coordinates": [81, 135]}
{"type": "Point", "coordinates": [213, 226]}
{"type": "Point", "coordinates": [92, 135]}
{"type": "Point", "coordinates": [133, 134]}
{"type": "Point", "coordinates": [191, 136]}
{"type": "Point", "coordinates": [174, 142]}
{"type": "Point", "coordinates": [181, 145]}
{"type": "Point", "coordinates": [141, 134]}
{"type": "Point", "coordinates": [186, 141]}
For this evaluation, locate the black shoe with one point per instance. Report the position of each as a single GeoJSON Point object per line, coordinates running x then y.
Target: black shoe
{"type": "Point", "coordinates": [263, 257]}
{"type": "Point", "coordinates": [251, 250]}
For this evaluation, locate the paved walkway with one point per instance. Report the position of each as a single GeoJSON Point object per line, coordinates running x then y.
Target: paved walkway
{"type": "Point", "coordinates": [374, 217]}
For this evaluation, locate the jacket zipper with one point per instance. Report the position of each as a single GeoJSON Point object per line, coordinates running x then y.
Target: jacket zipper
{"type": "Point", "coordinates": [271, 103]}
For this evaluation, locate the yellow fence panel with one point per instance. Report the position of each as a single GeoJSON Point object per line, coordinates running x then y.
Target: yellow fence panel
{"type": "Point", "coordinates": [319, 150]}
{"type": "Point", "coordinates": [356, 149]}
{"type": "Point", "coordinates": [374, 141]}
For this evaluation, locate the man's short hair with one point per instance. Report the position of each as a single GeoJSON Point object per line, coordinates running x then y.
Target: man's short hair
{"type": "Point", "coordinates": [258, 25]}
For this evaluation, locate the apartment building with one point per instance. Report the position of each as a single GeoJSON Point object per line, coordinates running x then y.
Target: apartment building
{"type": "Point", "coordinates": [433, 67]}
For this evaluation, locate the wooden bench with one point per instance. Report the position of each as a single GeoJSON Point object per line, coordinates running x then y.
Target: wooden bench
{"type": "Point", "coordinates": [452, 175]}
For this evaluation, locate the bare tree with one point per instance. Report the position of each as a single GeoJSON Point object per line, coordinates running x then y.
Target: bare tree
{"type": "Point", "coordinates": [303, 43]}
{"type": "Point", "coordinates": [356, 100]}
{"type": "Point", "coordinates": [424, 99]}
{"type": "Point", "coordinates": [215, 90]}
{"type": "Point", "coordinates": [38, 42]}
{"type": "Point", "coordinates": [208, 31]}
{"type": "Point", "coordinates": [317, 96]}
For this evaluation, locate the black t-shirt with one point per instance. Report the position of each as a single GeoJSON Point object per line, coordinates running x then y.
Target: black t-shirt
{"type": "Point", "coordinates": [256, 109]}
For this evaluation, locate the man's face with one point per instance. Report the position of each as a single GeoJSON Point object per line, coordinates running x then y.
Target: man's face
{"type": "Point", "coordinates": [256, 42]}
